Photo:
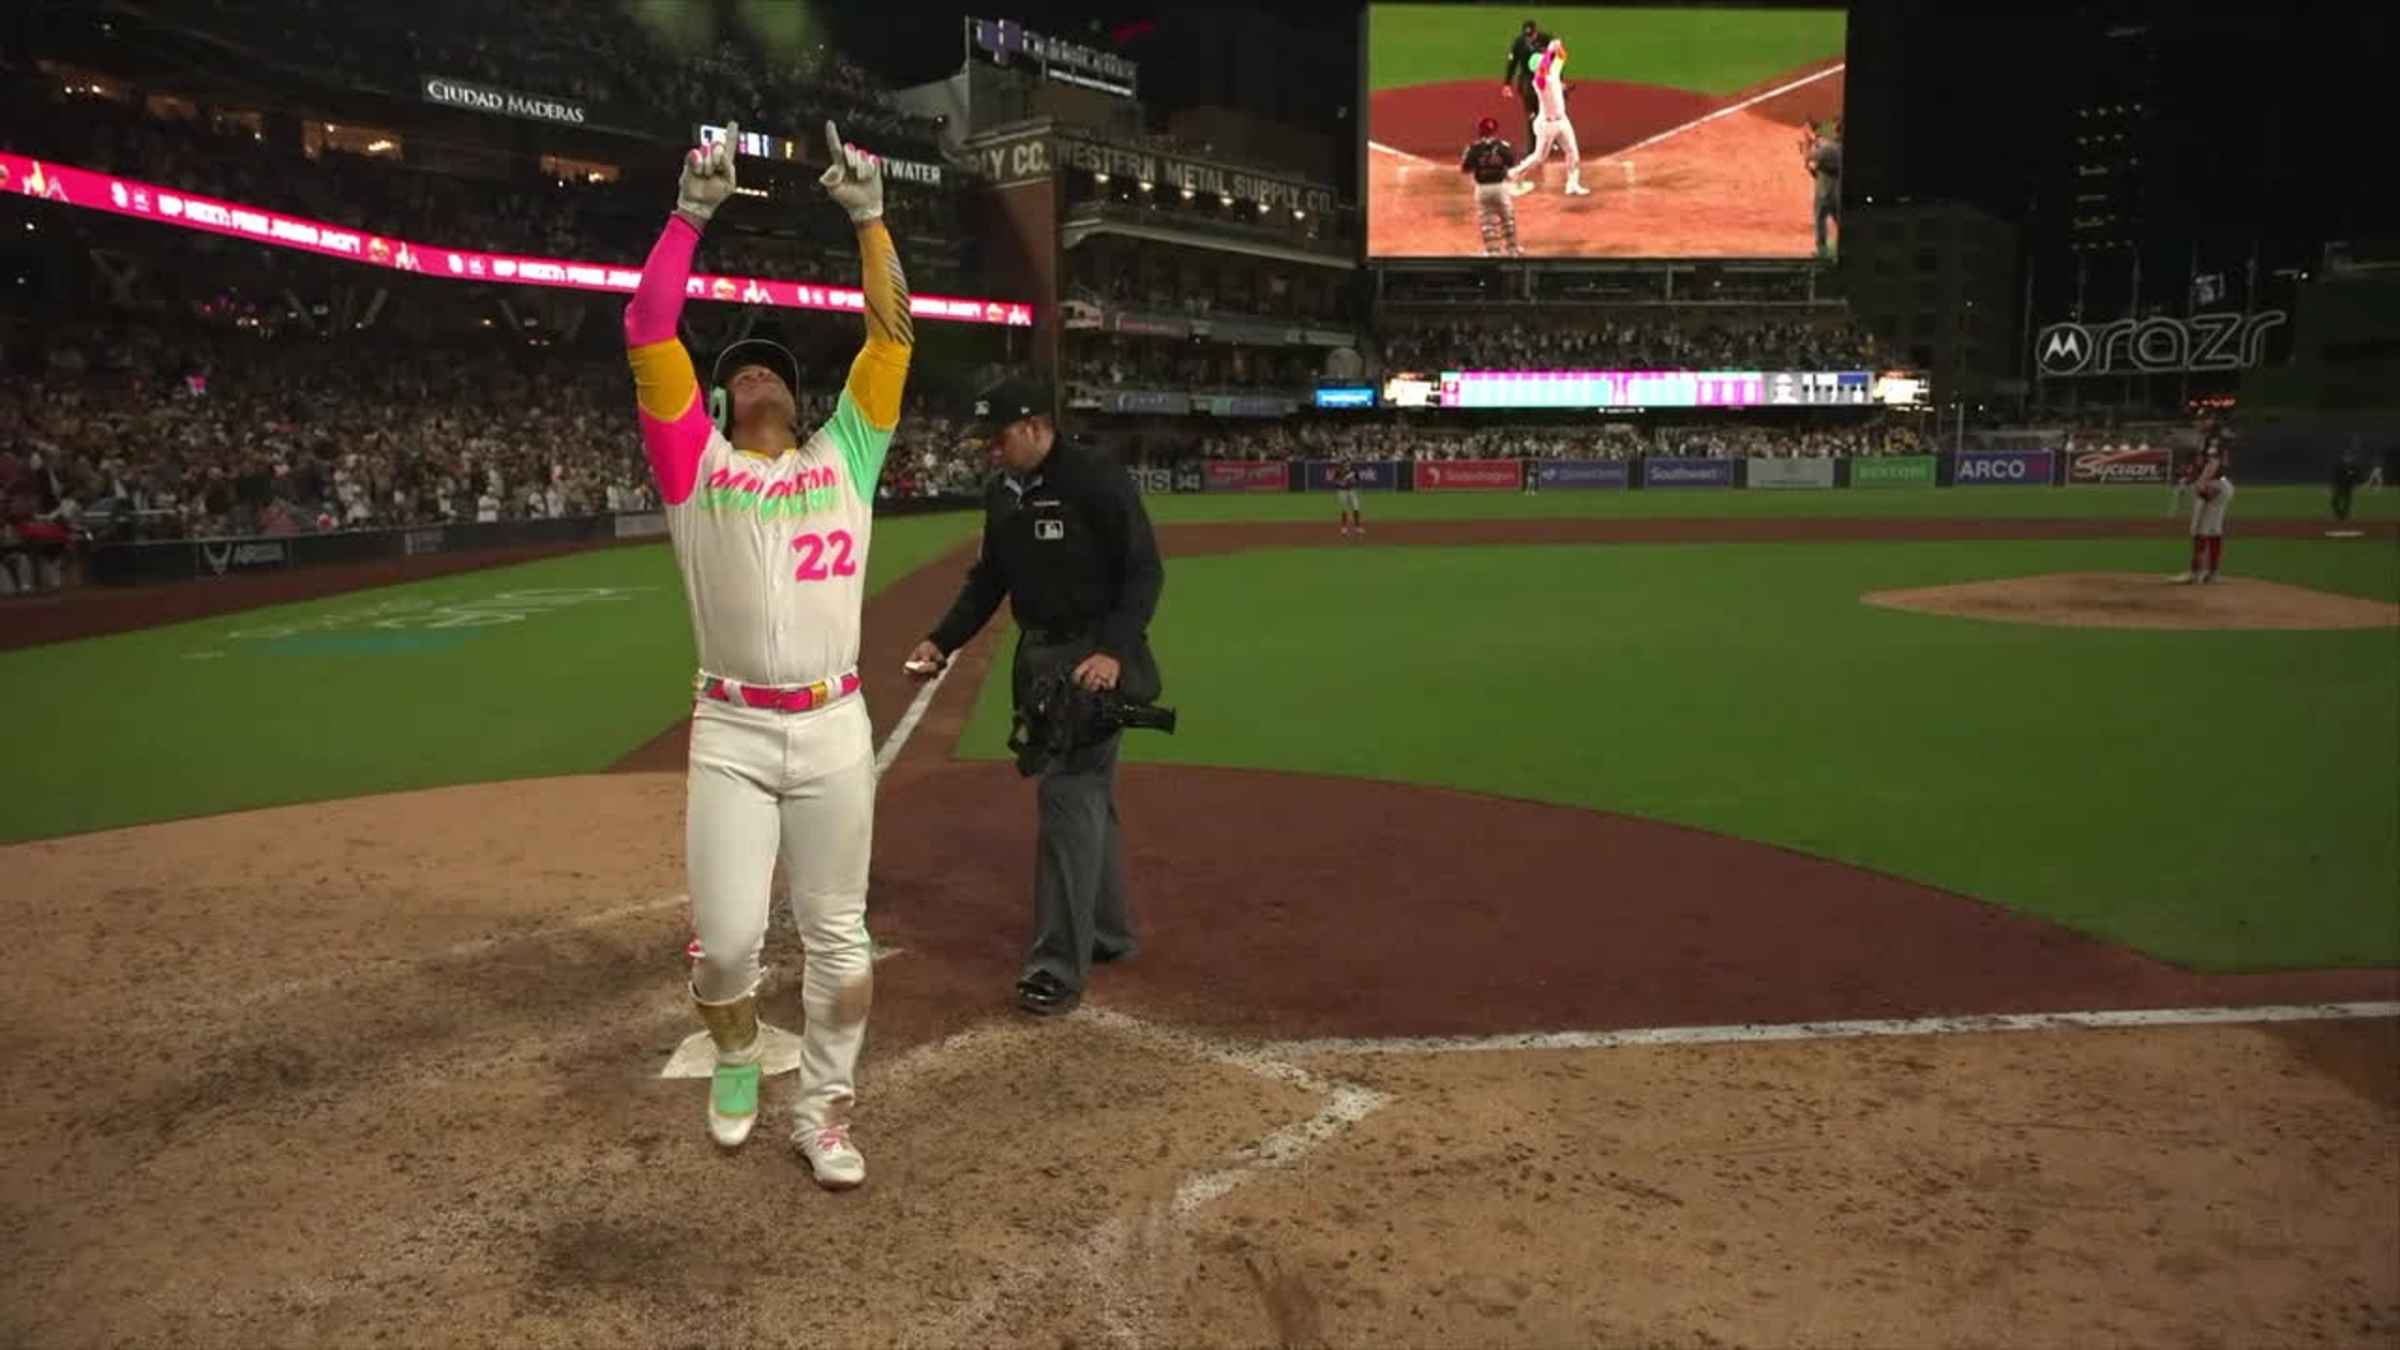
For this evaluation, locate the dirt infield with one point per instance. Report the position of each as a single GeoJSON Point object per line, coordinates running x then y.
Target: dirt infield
{"type": "Point", "coordinates": [1672, 173]}
{"type": "Point", "coordinates": [383, 1071]}
{"type": "Point", "coordinates": [2142, 600]}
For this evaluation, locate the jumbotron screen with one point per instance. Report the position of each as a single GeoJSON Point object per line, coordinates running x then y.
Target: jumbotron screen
{"type": "Point", "coordinates": [1630, 389]}
{"type": "Point", "coordinates": [1620, 132]}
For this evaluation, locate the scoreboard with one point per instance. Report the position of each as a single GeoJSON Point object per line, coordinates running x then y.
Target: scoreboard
{"type": "Point", "coordinates": [1649, 388]}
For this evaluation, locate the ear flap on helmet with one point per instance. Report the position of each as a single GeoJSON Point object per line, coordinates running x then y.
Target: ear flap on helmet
{"type": "Point", "coordinates": [720, 408]}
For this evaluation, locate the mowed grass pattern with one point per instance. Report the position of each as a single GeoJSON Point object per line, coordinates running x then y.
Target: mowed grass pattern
{"type": "Point", "coordinates": [1977, 503]}
{"type": "Point", "coordinates": [2225, 800]}
{"type": "Point", "coordinates": [1710, 51]}
{"type": "Point", "coordinates": [382, 690]}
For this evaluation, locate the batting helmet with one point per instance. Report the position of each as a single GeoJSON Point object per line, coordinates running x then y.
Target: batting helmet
{"type": "Point", "coordinates": [1489, 126]}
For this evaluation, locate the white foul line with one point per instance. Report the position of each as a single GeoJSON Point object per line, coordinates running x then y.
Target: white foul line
{"type": "Point", "coordinates": [1827, 1031]}
{"type": "Point", "coordinates": [1731, 108]}
{"type": "Point", "coordinates": [893, 743]}
{"type": "Point", "coordinates": [1701, 121]}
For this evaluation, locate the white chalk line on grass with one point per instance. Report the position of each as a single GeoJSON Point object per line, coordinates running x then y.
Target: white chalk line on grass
{"type": "Point", "coordinates": [1728, 110]}
{"type": "Point", "coordinates": [1828, 1031]}
{"type": "Point", "coordinates": [1703, 120]}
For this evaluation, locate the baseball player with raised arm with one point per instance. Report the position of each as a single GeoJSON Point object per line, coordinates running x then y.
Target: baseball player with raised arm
{"type": "Point", "coordinates": [1550, 126]}
{"type": "Point", "coordinates": [770, 529]}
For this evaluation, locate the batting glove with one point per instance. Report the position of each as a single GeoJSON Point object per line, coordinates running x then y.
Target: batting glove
{"type": "Point", "coordinates": [707, 177]}
{"type": "Point", "coordinates": [854, 180]}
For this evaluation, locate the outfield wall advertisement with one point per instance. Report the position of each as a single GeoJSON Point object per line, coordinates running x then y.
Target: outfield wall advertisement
{"type": "Point", "coordinates": [1791, 473]}
{"type": "Point", "coordinates": [1248, 475]}
{"type": "Point", "coordinates": [1884, 471]}
{"type": "Point", "coordinates": [2009, 468]}
{"type": "Point", "coordinates": [1469, 475]}
{"type": "Point", "coordinates": [2122, 464]}
{"type": "Point", "coordinates": [1668, 132]}
{"type": "Point", "coordinates": [1381, 475]}
{"type": "Point", "coordinates": [1582, 473]}
{"type": "Point", "coordinates": [1663, 471]}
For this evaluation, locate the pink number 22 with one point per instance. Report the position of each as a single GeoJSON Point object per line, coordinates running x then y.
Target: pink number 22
{"type": "Point", "coordinates": [811, 548]}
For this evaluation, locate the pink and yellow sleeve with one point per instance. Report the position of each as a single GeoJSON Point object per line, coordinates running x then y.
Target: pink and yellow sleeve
{"type": "Point", "coordinates": [674, 422]}
{"type": "Point", "coordinates": [868, 412]}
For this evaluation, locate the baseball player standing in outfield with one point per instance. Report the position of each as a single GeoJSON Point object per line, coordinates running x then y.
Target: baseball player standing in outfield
{"type": "Point", "coordinates": [2212, 495]}
{"type": "Point", "coordinates": [1517, 76]}
{"type": "Point", "coordinates": [1345, 487]}
{"type": "Point", "coordinates": [1550, 126]}
{"type": "Point", "coordinates": [770, 531]}
{"type": "Point", "coordinates": [1487, 161]}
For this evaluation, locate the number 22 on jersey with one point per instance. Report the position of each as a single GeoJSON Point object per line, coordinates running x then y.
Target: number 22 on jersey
{"type": "Point", "coordinates": [814, 563]}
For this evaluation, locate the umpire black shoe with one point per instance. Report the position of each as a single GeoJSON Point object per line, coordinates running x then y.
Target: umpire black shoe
{"type": "Point", "coordinates": [1045, 995]}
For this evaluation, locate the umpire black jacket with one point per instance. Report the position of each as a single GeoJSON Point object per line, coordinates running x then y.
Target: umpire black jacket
{"type": "Point", "coordinates": [1519, 70]}
{"type": "Point", "coordinates": [1070, 547]}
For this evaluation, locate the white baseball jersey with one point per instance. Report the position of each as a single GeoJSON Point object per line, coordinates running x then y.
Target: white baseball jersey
{"type": "Point", "coordinates": [774, 554]}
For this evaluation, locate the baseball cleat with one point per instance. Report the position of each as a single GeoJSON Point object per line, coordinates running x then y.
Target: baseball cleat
{"type": "Point", "coordinates": [1520, 187]}
{"type": "Point", "coordinates": [2184, 578]}
{"type": "Point", "coordinates": [732, 1104]}
{"type": "Point", "coordinates": [1578, 190]}
{"type": "Point", "coordinates": [832, 1158]}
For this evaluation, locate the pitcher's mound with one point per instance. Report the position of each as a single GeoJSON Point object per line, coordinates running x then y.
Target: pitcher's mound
{"type": "Point", "coordinates": [2142, 600]}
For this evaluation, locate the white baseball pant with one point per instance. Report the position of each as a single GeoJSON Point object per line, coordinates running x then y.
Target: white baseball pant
{"type": "Point", "coordinates": [1549, 133]}
{"type": "Point", "coordinates": [803, 785]}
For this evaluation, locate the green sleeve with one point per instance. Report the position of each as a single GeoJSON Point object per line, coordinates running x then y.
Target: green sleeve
{"type": "Point", "coordinates": [863, 445]}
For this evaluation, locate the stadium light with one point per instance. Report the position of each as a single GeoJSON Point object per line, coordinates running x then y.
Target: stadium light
{"type": "Point", "coordinates": [1147, 185]}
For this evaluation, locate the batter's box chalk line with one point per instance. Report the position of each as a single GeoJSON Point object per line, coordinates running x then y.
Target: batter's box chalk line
{"type": "Point", "coordinates": [1097, 1263]}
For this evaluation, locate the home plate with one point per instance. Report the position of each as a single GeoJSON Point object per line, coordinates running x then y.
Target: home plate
{"type": "Point", "coordinates": [697, 1056]}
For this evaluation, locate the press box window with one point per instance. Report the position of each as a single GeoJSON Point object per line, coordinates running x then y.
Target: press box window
{"type": "Point", "coordinates": [567, 170]}
{"type": "Point", "coordinates": [375, 142]}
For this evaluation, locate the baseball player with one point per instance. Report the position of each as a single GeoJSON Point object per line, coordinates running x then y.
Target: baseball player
{"type": "Point", "coordinates": [1345, 487]}
{"type": "Point", "coordinates": [770, 528]}
{"type": "Point", "coordinates": [1487, 161]}
{"type": "Point", "coordinates": [2212, 495]}
{"type": "Point", "coordinates": [1550, 126]}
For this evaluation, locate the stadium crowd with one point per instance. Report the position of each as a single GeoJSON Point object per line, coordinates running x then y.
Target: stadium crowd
{"type": "Point", "coordinates": [549, 213]}
{"type": "Point", "coordinates": [680, 63]}
{"type": "Point", "coordinates": [125, 434]}
{"type": "Point", "coordinates": [1113, 360]}
{"type": "Point", "coordinates": [1625, 343]}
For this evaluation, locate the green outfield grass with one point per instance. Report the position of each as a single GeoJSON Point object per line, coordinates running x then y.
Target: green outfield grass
{"type": "Point", "coordinates": [2223, 800]}
{"type": "Point", "coordinates": [2261, 503]}
{"type": "Point", "coordinates": [382, 690]}
{"type": "Point", "coordinates": [1711, 51]}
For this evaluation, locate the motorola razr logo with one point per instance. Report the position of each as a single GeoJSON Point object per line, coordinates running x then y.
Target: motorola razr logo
{"type": "Point", "coordinates": [2156, 346]}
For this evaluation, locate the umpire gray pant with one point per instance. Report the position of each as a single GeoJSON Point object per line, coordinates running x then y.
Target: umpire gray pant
{"type": "Point", "coordinates": [1079, 907]}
